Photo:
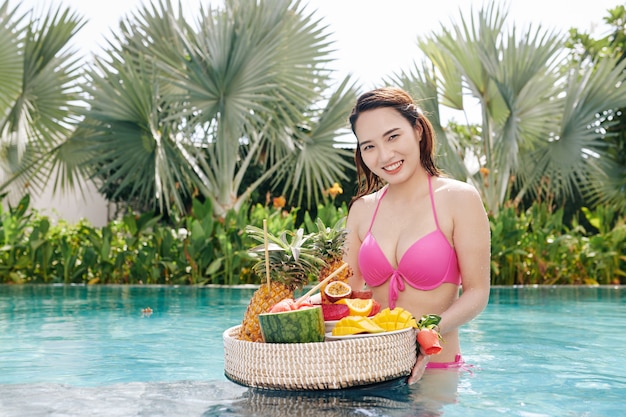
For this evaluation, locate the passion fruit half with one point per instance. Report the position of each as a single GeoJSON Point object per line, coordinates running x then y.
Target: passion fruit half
{"type": "Point", "coordinates": [337, 290]}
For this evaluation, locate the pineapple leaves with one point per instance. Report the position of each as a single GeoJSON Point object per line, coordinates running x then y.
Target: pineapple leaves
{"type": "Point", "coordinates": [292, 256]}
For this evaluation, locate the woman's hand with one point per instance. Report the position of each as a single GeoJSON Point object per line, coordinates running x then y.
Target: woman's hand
{"type": "Point", "coordinates": [420, 366]}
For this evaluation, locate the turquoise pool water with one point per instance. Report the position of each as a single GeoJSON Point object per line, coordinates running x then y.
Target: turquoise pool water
{"type": "Point", "coordinates": [78, 351]}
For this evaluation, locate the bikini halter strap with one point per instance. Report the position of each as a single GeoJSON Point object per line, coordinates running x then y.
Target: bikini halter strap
{"type": "Point", "coordinates": [376, 209]}
{"type": "Point", "coordinates": [432, 204]}
{"type": "Point", "coordinates": [432, 201]}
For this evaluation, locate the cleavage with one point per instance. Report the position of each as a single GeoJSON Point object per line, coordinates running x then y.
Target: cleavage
{"type": "Point", "coordinates": [395, 265]}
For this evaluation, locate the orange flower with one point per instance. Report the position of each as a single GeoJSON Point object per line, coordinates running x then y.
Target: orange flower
{"type": "Point", "coordinates": [484, 171]}
{"type": "Point", "coordinates": [334, 190]}
{"type": "Point", "coordinates": [279, 202]}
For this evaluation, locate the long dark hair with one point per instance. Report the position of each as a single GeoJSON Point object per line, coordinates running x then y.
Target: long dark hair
{"type": "Point", "coordinates": [402, 102]}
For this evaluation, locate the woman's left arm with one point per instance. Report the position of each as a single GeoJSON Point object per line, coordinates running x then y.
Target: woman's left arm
{"type": "Point", "coordinates": [472, 243]}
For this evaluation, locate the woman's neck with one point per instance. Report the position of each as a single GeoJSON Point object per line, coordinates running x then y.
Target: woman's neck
{"type": "Point", "coordinates": [412, 189]}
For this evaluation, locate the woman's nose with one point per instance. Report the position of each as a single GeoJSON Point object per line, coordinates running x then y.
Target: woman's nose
{"type": "Point", "coordinates": [385, 153]}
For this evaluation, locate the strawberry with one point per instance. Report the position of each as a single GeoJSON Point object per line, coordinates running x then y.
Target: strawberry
{"type": "Point", "coordinates": [429, 341]}
{"type": "Point", "coordinates": [428, 335]}
{"type": "Point", "coordinates": [335, 311]}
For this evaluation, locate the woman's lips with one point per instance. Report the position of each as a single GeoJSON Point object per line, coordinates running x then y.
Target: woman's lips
{"type": "Point", "coordinates": [391, 168]}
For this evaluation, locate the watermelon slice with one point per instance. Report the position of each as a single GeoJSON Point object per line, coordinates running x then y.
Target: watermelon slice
{"type": "Point", "coordinates": [335, 311]}
{"type": "Point", "coordinates": [305, 325]}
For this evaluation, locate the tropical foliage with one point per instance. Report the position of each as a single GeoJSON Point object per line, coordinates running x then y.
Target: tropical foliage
{"type": "Point", "coordinates": [544, 117]}
{"type": "Point", "coordinates": [186, 120]}
{"type": "Point", "coordinates": [39, 76]}
{"type": "Point", "coordinates": [177, 110]}
{"type": "Point", "coordinates": [530, 247]}
{"type": "Point", "coordinates": [538, 247]}
{"type": "Point", "coordinates": [180, 111]}
{"type": "Point", "coordinates": [612, 189]}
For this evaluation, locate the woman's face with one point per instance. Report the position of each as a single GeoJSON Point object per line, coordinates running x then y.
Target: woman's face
{"type": "Point", "coordinates": [388, 143]}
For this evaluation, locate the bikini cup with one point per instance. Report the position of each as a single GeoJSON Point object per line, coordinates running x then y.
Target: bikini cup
{"type": "Point", "coordinates": [427, 263]}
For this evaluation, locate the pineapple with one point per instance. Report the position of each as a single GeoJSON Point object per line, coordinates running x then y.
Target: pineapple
{"type": "Point", "coordinates": [329, 243]}
{"type": "Point", "coordinates": [291, 263]}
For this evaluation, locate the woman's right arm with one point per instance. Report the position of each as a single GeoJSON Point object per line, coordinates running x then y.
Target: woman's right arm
{"type": "Point", "coordinates": [353, 244]}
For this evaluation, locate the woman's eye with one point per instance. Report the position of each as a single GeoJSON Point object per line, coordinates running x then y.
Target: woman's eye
{"type": "Point", "coordinates": [366, 147]}
{"type": "Point", "coordinates": [392, 137]}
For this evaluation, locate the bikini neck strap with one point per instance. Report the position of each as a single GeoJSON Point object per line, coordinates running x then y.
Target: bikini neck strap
{"type": "Point", "coordinates": [384, 191]}
{"type": "Point", "coordinates": [432, 200]}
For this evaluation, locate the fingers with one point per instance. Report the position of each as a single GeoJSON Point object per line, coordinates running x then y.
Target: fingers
{"type": "Point", "coordinates": [418, 370]}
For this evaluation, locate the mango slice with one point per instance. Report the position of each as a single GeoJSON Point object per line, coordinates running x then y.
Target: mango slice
{"type": "Point", "coordinates": [354, 325]}
{"type": "Point", "coordinates": [395, 319]}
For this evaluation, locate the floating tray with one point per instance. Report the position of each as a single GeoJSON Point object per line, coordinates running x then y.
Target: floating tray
{"type": "Point", "coordinates": [325, 365]}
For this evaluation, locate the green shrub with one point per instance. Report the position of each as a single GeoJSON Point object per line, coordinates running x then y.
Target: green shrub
{"type": "Point", "coordinates": [534, 246]}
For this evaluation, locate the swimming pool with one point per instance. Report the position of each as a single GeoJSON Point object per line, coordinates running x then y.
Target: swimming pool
{"type": "Point", "coordinates": [76, 351]}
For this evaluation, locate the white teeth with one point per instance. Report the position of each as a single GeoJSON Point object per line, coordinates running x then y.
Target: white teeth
{"type": "Point", "coordinates": [392, 167]}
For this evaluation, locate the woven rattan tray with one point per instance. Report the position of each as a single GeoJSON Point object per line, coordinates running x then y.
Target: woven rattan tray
{"type": "Point", "coordinates": [318, 366]}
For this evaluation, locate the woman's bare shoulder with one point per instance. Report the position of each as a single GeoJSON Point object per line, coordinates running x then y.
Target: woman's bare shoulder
{"type": "Point", "coordinates": [368, 199]}
{"type": "Point", "coordinates": [455, 193]}
{"type": "Point", "coordinates": [364, 206]}
{"type": "Point", "coordinates": [454, 186]}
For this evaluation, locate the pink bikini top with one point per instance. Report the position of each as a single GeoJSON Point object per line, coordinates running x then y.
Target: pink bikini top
{"type": "Point", "coordinates": [426, 264]}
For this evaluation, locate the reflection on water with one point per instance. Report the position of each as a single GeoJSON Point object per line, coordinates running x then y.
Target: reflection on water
{"type": "Point", "coordinates": [424, 399]}
{"type": "Point", "coordinates": [225, 399]}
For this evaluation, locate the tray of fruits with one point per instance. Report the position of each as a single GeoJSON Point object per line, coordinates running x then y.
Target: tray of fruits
{"type": "Point", "coordinates": [338, 343]}
{"type": "Point", "coordinates": [332, 337]}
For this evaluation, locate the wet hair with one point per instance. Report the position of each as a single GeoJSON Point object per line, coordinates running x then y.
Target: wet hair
{"type": "Point", "coordinates": [401, 101]}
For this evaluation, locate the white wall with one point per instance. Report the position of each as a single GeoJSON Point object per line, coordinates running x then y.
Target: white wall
{"type": "Point", "coordinates": [69, 206]}
{"type": "Point", "coordinates": [73, 206]}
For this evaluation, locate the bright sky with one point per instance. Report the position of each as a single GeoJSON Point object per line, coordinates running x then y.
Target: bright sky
{"type": "Point", "coordinates": [373, 38]}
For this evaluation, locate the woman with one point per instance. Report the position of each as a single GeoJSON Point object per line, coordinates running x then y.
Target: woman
{"type": "Point", "coordinates": [414, 237]}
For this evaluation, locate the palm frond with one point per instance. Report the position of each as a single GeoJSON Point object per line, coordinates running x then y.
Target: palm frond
{"type": "Point", "coordinates": [11, 67]}
{"type": "Point", "coordinates": [575, 159]}
{"type": "Point", "coordinates": [45, 111]}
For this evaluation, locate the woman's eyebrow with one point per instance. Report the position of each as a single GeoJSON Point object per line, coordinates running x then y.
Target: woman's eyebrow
{"type": "Point", "coordinates": [390, 131]}
{"type": "Point", "coordinates": [387, 133]}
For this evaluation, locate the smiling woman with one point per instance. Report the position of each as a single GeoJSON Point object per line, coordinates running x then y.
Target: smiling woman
{"type": "Point", "coordinates": [413, 233]}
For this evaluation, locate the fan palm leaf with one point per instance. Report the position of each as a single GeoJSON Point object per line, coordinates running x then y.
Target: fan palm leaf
{"type": "Point", "coordinates": [39, 110]}
{"type": "Point", "coordinates": [575, 160]}
{"type": "Point", "coordinates": [190, 110]}
{"type": "Point", "coordinates": [319, 160]}
{"type": "Point", "coordinates": [536, 125]}
{"type": "Point", "coordinates": [11, 67]}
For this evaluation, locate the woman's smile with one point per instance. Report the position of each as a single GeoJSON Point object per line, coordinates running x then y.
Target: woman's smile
{"type": "Point", "coordinates": [393, 168]}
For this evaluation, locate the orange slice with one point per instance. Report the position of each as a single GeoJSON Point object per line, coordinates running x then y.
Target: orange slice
{"type": "Point", "coordinates": [358, 306]}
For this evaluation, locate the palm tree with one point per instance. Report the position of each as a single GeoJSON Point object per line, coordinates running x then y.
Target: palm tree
{"type": "Point", "coordinates": [539, 112]}
{"type": "Point", "coordinates": [586, 50]}
{"type": "Point", "coordinates": [38, 94]}
{"type": "Point", "coordinates": [178, 110]}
